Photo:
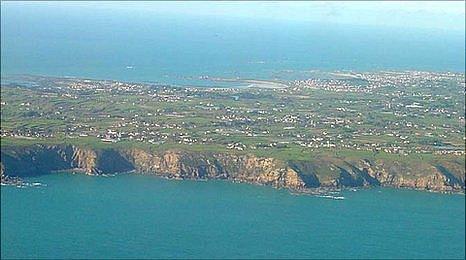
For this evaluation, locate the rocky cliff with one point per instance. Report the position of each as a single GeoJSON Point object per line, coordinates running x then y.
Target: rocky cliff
{"type": "Point", "coordinates": [243, 168]}
{"type": "Point", "coordinates": [447, 175]}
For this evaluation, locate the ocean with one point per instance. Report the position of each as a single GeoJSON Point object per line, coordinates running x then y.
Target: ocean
{"type": "Point", "coordinates": [149, 217]}
{"type": "Point", "coordinates": [45, 39]}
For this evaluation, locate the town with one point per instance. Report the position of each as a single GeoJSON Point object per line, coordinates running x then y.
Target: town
{"type": "Point", "coordinates": [378, 112]}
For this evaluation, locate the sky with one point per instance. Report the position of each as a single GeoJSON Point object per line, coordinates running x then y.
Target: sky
{"type": "Point", "coordinates": [440, 15]}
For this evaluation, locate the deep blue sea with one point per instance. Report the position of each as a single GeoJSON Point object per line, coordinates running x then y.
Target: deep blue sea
{"type": "Point", "coordinates": [148, 217]}
{"type": "Point", "coordinates": [178, 49]}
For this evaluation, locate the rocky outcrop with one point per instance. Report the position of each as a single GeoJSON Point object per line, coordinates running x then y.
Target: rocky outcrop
{"type": "Point", "coordinates": [85, 159]}
{"type": "Point", "coordinates": [35, 160]}
{"type": "Point", "coordinates": [447, 175]}
{"type": "Point", "coordinates": [41, 159]}
{"type": "Point", "coordinates": [242, 168]}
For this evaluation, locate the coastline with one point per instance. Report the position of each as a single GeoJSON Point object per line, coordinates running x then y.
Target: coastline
{"type": "Point", "coordinates": [323, 192]}
{"type": "Point", "coordinates": [254, 83]}
{"type": "Point", "coordinates": [298, 177]}
{"type": "Point", "coordinates": [215, 143]}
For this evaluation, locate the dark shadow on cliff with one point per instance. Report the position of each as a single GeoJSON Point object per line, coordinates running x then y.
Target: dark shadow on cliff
{"type": "Point", "coordinates": [111, 161]}
{"type": "Point", "coordinates": [35, 162]}
{"type": "Point", "coordinates": [306, 172]}
{"type": "Point", "coordinates": [452, 179]}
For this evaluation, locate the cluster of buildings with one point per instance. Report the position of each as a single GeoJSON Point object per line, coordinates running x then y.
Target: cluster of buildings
{"type": "Point", "coordinates": [389, 112]}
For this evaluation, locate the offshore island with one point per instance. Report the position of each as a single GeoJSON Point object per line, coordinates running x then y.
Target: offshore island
{"type": "Point", "coordinates": [344, 129]}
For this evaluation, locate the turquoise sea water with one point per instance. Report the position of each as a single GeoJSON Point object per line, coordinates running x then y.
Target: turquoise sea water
{"type": "Point", "coordinates": [146, 217]}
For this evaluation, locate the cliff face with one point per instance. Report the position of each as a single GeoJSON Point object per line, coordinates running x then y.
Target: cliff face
{"type": "Point", "coordinates": [41, 159]}
{"type": "Point", "coordinates": [312, 173]}
{"type": "Point", "coordinates": [36, 160]}
{"type": "Point", "coordinates": [186, 165]}
{"type": "Point", "coordinates": [439, 176]}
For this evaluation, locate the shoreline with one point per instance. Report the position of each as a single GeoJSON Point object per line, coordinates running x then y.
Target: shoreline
{"type": "Point", "coordinates": [255, 83]}
{"type": "Point", "coordinates": [324, 192]}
